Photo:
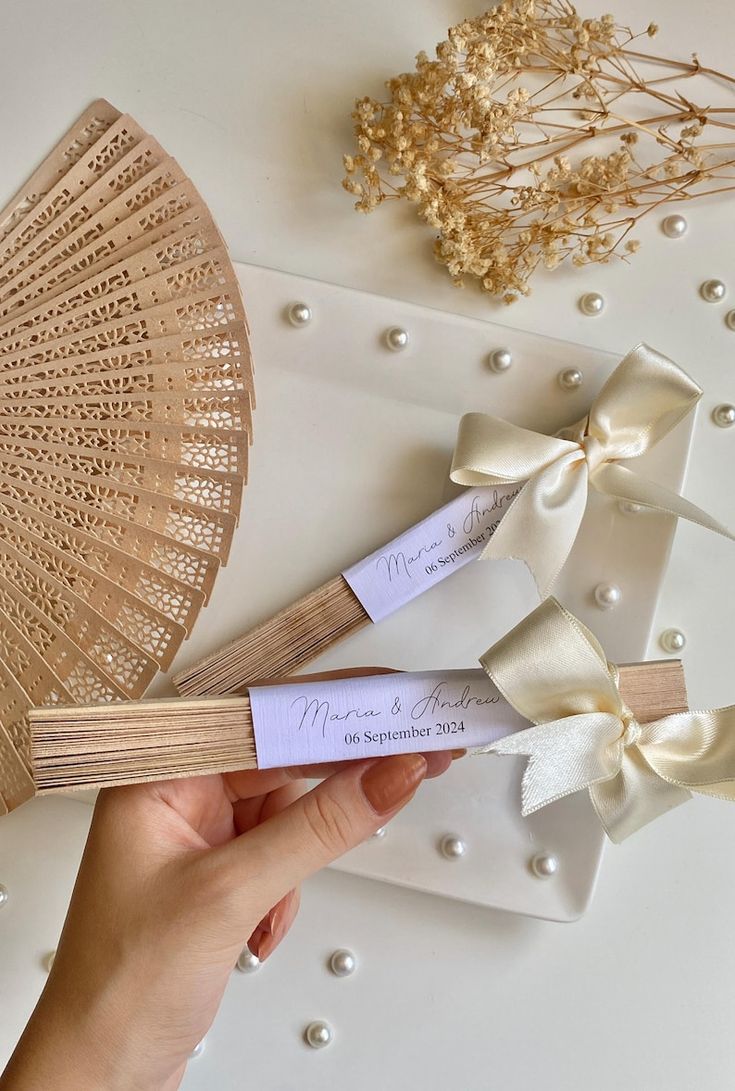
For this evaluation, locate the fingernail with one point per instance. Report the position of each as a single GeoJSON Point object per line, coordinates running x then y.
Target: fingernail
{"type": "Point", "coordinates": [262, 929]}
{"type": "Point", "coordinates": [257, 938]}
{"type": "Point", "coordinates": [269, 939]}
{"type": "Point", "coordinates": [277, 924]}
{"type": "Point", "coordinates": [276, 918]}
{"type": "Point", "coordinates": [458, 754]}
{"type": "Point", "coordinates": [392, 781]}
{"type": "Point", "coordinates": [437, 763]}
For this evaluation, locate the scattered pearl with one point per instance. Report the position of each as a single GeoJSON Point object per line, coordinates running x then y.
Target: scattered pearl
{"type": "Point", "coordinates": [672, 641]}
{"type": "Point", "coordinates": [570, 378]}
{"type": "Point", "coordinates": [629, 507]}
{"type": "Point", "coordinates": [397, 339]}
{"type": "Point", "coordinates": [730, 320]}
{"type": "Point", "coordinates": [713, 291]}
{"type": "Point", "coordinates": [453, 848]}
{"type": "Point", "coordinates": [247, 963]}
{"type": "Point", "coordinates": [318, 1034]}
{"type": "Point", "coordinates": [500, 360]}
{"type": "Point", "coordinates": [591, 304]}
{"type": "Point", "coordinates": [49, 961]}
{"type": "Point", "coordinates": [343, 963]}
{"type": "Point", "coordinates": [724, 415]}
{"type": "Point", "coordinates": [608, 595]}
{"type": "Point", "coordinates": [674, 226]}
{"type": "Point", "coordinates": [379, 833]}
{"type": "Point", "coordinates": [299, 314]}
{"type": "Point", "coordinates": [198, 1049]}
{"type": "Point", "coordinates": [3, 895]}
{"type": "Point", "coordinates": [544, 865]}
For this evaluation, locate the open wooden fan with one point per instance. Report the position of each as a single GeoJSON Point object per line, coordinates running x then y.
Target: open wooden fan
{"type": "Point", "coordinates": [125, 400]}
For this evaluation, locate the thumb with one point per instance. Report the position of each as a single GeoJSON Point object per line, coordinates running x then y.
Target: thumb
{"type": "Point", "coordinates": [340, 813]}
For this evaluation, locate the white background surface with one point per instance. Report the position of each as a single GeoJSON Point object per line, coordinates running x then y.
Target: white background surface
{"type": "Point", "coordinates": [254, 98]}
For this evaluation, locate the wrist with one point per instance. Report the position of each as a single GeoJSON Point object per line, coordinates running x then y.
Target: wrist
{"type": "Point", "coordinates": [78, 1042]}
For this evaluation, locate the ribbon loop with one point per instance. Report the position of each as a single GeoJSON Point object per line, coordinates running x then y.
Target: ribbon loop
{"type": "Point", "coordinates": [644, 398]}
{"type": "Point", "coordinates": [553, 671]}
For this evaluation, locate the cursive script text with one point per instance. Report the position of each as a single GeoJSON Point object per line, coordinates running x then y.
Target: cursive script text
{"type": "Point", "coordinates": [398, 564]}
{"type": "Point", "coordinates": [438, 699]}
{"type": "Point", "coordinates": [478, 510]}
{"type": "Point", "coordinates": [316, 713]}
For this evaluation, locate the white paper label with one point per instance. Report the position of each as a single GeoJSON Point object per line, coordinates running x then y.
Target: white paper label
{"type": "Point", "coordinates": [305, 723]}
{"type": "Point", "coordinates": [431, 550]}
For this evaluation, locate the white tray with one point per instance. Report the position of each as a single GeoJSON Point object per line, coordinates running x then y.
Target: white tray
{"type": "Point", "coordinates": [352, 444]}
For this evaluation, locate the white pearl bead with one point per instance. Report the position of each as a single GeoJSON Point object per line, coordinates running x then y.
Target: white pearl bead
{"type": "Point", "coordinates": [724, 415]}
{"type": "Point", "coordinates": [299, 314]}
{"type": "Point", "coordinates": [318, 1034]}
{"type": "Point", "coordinates": [672, 641]}
{"type": "Point", "coordinates": [629, 507]}
{"type": "Point", "coordinates": [247, 963]}
{"type": "Point", "coordinates": [674, 226]}
{"type": "Point", "coordinates": [198, 1049]}
{"type": "Point", "coordinates": [730, 320]}
{"type": "Point", "coordinates": [608, 595]}
{"type": "Point", "coordinates": [343, 963]}
{"type": "Point", "coordinates": [544, 865]}
{"type": "Point", "coordinates": [3, 895]}
{"type": "Point", "coordinates": [396, 338]}
{"type": "Point", "coordinates": [500, 360]}
{"type": "Point", "coordinates": [713, 291]}
{"type": "Point", "coordinates": [379, 833]}
{"type": "Point", "coordinates": [49, 961]}
{"type": "Point", "coordinates": [570, 378]}
{"type": "Point", "coordinates": [453, 848]}
{"type": "Point", "coordinates": [591, 304]}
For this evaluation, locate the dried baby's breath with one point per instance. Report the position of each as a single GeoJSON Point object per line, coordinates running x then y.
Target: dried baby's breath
{"type": "Point", "coordinates": [536, 137]}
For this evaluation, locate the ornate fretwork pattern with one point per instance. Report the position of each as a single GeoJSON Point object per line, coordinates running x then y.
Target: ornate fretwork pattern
{"type": "Point", "coordinates": [125, 412]}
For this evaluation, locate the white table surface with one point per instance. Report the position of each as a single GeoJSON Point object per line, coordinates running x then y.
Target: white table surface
{"type": "Point", "coordinates": [254, 100]}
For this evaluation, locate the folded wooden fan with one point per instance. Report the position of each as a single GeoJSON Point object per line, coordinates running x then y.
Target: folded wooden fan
{"type": "Point", "coordinates": [125, 399]}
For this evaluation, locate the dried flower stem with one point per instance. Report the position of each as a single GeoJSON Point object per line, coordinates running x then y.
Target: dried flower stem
{"type": "Point", "coordinates": [480, 138]}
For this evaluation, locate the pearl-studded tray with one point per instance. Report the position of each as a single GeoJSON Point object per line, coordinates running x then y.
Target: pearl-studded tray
{"type": "Point", "coordinates": [353, 442]}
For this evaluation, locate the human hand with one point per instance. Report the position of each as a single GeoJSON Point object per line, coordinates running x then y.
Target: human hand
{"type": "Point", "coordinates": [175, 878]}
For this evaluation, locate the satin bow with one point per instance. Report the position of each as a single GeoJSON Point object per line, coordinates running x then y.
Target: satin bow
{"type": "Point", "coordinates": [553, 672]}
{"type": "Point", "coordinates": [643, 399]}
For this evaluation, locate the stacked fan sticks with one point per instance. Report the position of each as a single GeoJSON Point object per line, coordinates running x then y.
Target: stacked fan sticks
{"type": "Point", "coordinates": [280, 646]}
{"type": "Point", "coordinates": [125, 403]}
{"type": "Point", "coordinates": [100, 746]}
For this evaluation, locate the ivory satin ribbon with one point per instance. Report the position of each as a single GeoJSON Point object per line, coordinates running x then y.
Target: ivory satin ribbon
{"type": "Point", "coordinates": [553, 672]}
{"type": "Point", "coordinates": [643, 399]}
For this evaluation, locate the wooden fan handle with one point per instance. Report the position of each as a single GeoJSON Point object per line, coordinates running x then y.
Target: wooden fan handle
{"type": "Point", "coordinates": [103, 745]}
{"type": "Point", "coordinates": [280, 646]}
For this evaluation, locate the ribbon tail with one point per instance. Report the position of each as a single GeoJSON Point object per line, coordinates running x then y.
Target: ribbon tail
{"type": "Point", "coordinates": [564, 756]}
{"type": "Point", "coordinates": [635, 797]}
{"type": "Point", "coordinates": [622, 483]}
{"type": "Point", "coordinates": [542, 523]}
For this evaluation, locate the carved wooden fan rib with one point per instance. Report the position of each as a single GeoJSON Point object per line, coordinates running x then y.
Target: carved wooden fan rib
{"type": "Point", "coordinates": [125, 400]}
